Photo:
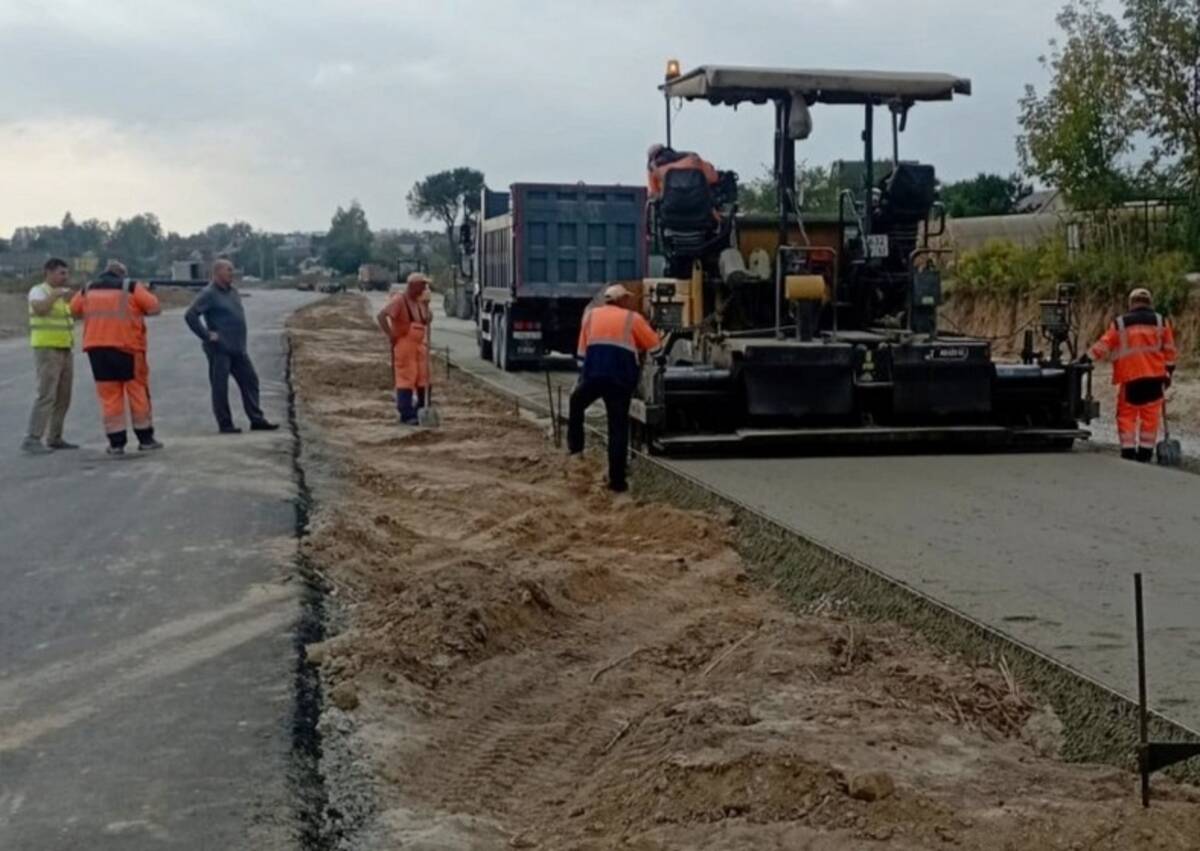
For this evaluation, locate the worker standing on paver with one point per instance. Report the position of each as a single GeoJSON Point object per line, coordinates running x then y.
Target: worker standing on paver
{"type": "Point", "coordinates": [52, 338]}
{"type": "Point", "coordinates": [405, 320]}
{"type": "Point", "coordinates": [611, 339]}
{"type": "Point", "coordinates": [219, 320]}
{"type": "Point", "coordinates": [113, 309]}
{"type": "Point", "coordinates": [1141, 345]}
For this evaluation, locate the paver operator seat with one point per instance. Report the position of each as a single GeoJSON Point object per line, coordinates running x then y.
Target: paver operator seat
{"type": "Point", "coordinates": [694, 219]}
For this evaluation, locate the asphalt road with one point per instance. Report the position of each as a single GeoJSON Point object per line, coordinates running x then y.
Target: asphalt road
{"type": "Point", "coordinates": [1040, 546]}
{"type": "Point", "coordinates": [146, 620]}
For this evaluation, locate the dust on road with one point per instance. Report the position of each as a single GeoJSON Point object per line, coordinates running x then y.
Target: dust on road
{"type": "Point", "coordinates": [527, 662]}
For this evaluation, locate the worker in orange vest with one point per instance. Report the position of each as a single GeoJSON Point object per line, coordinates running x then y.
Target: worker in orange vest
{"type": "Point", "coordinates": [660, 159]}
{"type": "Point", "coordinates": [612, 338]}
{"type": "Point", "coordinates": [1141, 345]}
{"type": "Point", "coordinates": [405, 320]}
{"type": "Point", "coordinates": [113, 309]}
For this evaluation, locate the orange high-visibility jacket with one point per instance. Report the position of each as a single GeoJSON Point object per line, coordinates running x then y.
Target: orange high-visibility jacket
{"type": "Point", "coordinates": [610, 340]}
{"type": "Point", "coordinates": [657, 175]}
{"type": "Point", "coordinates": [113, 312]}
{"type": "Point", "coordinates": [1141, 344]}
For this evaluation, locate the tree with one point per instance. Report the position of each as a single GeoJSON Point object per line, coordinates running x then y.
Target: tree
{"type": "Point", "coordinates": [1164, 66]}
{"type": "Point", "coordinates": [817, 187]}
{"type": "Point", "coordinates": [256, 255]}
{"type": "Point", "coordinates": [348, 244]}
{"type": "Point", "coordinates": [137, 242]}
{"type": "Point", "coordinates": [1076, 136]}
{"type": "Point", "coordinates": [443, 196]}
{"type": "Point", "coordinates": [985, 195]}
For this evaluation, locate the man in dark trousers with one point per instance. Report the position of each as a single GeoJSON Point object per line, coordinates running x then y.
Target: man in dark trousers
{"type": "Point", "coordinates": [612, 338]}
{"type": "Point", "coordinates": [218, 319]}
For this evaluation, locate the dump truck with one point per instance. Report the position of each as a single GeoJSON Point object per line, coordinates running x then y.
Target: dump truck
{"type": "Point", "coordinates": [541, 252]}
{"type": "Point", "coordinates": [794, 329]}
{"type": "Point", "coordinates": [374, 276]}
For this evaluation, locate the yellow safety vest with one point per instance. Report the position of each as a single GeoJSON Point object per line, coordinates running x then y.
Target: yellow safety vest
{"type": "Point", "coordinates": [54, 330]}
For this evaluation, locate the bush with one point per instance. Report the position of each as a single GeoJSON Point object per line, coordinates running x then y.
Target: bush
{"type": "Point", "coordinates": [1006, 270]}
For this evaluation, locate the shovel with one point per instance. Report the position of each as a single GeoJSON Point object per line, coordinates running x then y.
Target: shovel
{"type": "Point", "coordinates": [1168, 451]}
{"type": "Point", "coordinates": [427, 415]}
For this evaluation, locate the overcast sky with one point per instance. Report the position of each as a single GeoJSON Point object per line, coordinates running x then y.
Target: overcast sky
{"type": "Point", "coordinates": [276, 112]}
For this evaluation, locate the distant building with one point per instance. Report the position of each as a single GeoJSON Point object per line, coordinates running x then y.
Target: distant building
{"type": "Point", "coordinates": [1043, 201]}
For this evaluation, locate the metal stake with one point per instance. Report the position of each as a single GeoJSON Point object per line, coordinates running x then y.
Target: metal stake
{"type": "Point", "coordinates": [1143, 720]}
{"type": "Point", "coordinates": [1152, 756]}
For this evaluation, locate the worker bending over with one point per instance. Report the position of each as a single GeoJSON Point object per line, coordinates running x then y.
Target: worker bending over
{"type": "Point", "coordinates": [661, 159]}
{"type": "Point", "coordinates": [1141, 345]}
{"type": "Point", "coordinates": [113, 309]}
{"type": "Point", "coordinates": [611, 340]}
{"type": "Point", "coordinates": [405, 320]}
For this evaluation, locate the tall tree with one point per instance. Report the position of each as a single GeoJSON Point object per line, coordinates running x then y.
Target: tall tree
{"type": "Point", "coordinates": [256, 255]}
{"type": "Point", "coordinates": [1164, 66]}
{"type": "Point", "coordinates": [985, 195]}
{"type": "Point", "coordinates": [137, 242]}
{"type": "Point", "coordinates": [348, 244]}
{"type": "Point", "coordinates": [442, 196]}
{"type": "Point", "coordinates": [1076, 136]}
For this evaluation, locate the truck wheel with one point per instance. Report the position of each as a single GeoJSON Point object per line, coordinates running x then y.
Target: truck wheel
{"type": "Point", "coordinates": [485, 346]}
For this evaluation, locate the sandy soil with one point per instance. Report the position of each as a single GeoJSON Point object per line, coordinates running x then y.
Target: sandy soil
{"type": "Point", "coordinates": [527, 662]}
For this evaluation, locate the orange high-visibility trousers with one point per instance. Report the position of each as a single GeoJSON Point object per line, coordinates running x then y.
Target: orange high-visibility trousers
{"type": "Point", "coordinates": [113, 396]}
{"type": "Point", "coordinates": [410, 359]}
{"type": "Point", "coordinates": [1137, 425]}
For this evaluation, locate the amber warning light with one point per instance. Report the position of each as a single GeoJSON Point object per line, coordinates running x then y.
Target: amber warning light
{"type": "Point", "coordinates": [672, 69]}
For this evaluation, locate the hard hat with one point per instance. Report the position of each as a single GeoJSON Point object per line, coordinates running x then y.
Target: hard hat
{"type": "Point", "coordinates": [615, 293]}
{"type": "Point", "coordinates": [1141, 294]}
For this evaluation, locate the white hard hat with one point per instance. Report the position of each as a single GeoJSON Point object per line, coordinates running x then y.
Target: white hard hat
{"type": "Point", "coordinates": [615, 293]}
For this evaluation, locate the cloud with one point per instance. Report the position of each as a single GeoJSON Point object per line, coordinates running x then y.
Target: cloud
{"type": "Point", "coordinates": [277, 112]}
{"type": "Point", "coordinates": [332, 74]}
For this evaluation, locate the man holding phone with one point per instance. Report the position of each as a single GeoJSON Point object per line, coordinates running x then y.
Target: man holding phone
{"type": "Point", "coordinates": [52, 338]}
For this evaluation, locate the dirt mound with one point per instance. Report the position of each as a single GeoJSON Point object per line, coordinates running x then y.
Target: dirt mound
{"type": "Point", "coordinates": [532, 663]}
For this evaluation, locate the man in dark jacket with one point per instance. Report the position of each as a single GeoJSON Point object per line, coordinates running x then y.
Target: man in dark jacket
{"type": "Point", "coordinates": [218, 319]}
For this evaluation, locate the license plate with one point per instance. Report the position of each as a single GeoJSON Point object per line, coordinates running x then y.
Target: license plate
{"type": "Point", "coordinates": [877, 246]}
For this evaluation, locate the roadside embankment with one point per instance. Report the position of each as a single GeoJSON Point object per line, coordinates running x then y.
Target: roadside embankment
{"type": "Point", "coordinates": [516, 659]}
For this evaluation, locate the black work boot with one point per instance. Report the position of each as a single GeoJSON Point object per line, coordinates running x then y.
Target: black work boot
{"type": "Point", "coordinates": [146, 441]}
{"type": "Point", "coordinates": [116, 443]}
{"type": "Point", "coordinates": [1145, 455]}
{"type": "Point", "coordinates": [1129, 454]}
